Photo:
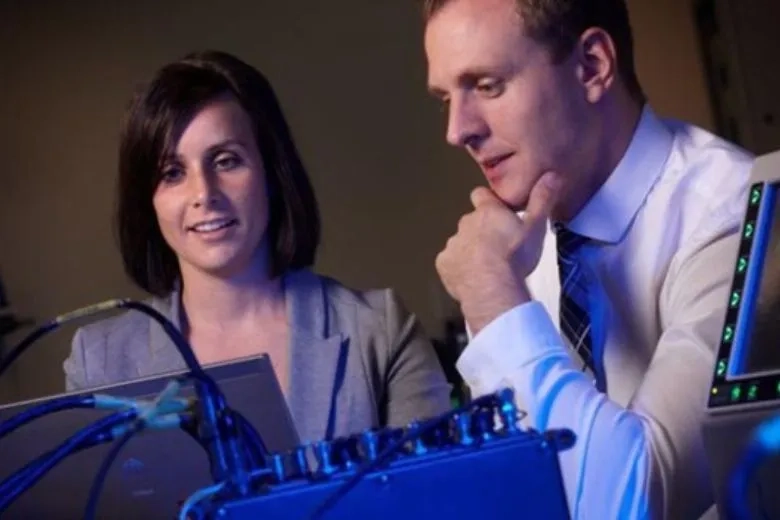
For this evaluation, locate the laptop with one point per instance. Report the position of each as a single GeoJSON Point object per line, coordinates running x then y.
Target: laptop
{"type": "Point", "coordinates": [156, 470]}
{"type": "Point", "coordinates": [745, 389]}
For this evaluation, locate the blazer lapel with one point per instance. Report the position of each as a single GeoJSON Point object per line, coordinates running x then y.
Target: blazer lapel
{"type": "Point", "coordinates": [317, 357]}
{"type": "Point", "coordinates": [163, 354]}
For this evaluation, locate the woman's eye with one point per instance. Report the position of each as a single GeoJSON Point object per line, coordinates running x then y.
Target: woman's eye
{"type": "Point", "coordinates": [171, 174]}
{"type": "Point", "coordinates": [225, 162]}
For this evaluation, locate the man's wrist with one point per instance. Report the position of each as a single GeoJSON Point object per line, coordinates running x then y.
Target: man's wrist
{"type": "Point", "coordinates": [480, 315]}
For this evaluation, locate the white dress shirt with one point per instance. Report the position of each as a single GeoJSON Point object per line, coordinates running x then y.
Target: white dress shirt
{"type": "Point", "coordinates": [663, 230]}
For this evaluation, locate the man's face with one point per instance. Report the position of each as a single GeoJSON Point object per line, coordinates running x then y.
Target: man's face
{"type": "Point", "coordinates": [516, 112]}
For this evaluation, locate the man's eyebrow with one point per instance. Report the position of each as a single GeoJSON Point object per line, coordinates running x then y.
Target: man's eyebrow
{"type": "Point", "coordinates": [465, 79]}
{"type": "Point", "coordinates": [436, 91]}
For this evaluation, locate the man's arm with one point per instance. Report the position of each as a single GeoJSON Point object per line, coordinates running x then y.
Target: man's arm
{"type": "Point", "coordinates": [643, 461]}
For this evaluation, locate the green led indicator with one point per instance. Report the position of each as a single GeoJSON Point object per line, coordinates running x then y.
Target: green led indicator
{"type": "Point", "coordinates": [778, 388]}
{"type": "Point", "coordinates": [742, 264]}
{"type": "Point", "coordinates": [736, 392]}
{"type": "Point", "coordinates": [728, 334]}
{"type": "Point", "coordinates": [721, 367]}
{"type": "Point", "coordinates": [752, 392]}
{"type": "Point", "coordinates": [734, 299]}
{"type": "Point", "coordinates": [755, 196]}
{"type": "Point", "coordinates": [749, 228]}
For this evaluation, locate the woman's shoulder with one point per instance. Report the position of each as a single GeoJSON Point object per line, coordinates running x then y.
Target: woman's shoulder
{"type": "Point", "coordinates": [380, 301]}
{"type": "Point", "coordinates": [126, 324]}
{"type": "Point", "coordinates": [106, 351]}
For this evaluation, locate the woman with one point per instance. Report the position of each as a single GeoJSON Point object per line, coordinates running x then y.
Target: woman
{"type": "Point", "coordinates": [217, 219]}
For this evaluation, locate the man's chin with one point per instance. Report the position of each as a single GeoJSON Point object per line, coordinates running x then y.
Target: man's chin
{"type": "Point", "coordinates": [513, 201]}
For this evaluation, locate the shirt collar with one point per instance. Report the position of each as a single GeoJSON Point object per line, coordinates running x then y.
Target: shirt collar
{"type": "Point", "coordinates": [609, 213]}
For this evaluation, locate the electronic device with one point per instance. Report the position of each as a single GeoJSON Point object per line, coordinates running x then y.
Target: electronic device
{"type": "Point", "coordinates": [745, 389]}
{"type": "Point", "coordinates": [473, 462]}
{"type": "Point", "coordinates": [157, 470]}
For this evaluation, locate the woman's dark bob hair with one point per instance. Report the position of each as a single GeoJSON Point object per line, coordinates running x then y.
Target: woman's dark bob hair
{"type": "Point", "coordinates": [157, 116]}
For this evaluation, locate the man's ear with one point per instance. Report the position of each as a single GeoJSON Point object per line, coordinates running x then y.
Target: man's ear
{"type": "Point", "coordinates": [596, 63]}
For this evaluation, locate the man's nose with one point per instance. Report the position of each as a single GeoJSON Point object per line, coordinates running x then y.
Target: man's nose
{"type": "Point", "coordinates": [465, 125]}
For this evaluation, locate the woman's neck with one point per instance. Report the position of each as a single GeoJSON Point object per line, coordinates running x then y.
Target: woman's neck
{"type": "Point", "coordinates": [232, 303]}
{"type": "Point", "coordinates": [227, 319]}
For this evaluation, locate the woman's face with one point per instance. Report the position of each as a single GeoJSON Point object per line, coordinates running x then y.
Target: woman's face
{"type": "Point", "coordinates": [211, 202]}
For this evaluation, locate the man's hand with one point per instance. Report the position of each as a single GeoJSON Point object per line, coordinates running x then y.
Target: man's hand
{"type": "Point", "coordinates": [484, 265]}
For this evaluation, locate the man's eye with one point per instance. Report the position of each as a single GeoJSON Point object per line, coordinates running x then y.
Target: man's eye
{"type": "Point", "coordinates": [490, 88]}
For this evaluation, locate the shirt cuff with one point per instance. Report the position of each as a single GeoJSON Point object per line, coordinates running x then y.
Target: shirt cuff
{"type": "Point", "coordinates": [521, 336]}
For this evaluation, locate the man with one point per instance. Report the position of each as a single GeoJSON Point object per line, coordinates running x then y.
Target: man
{"type": "Point", "coordinates": [602, 305]}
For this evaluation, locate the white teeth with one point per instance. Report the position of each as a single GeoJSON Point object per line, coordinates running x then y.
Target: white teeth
{"type": "Point", "coordinates": [212, 225]}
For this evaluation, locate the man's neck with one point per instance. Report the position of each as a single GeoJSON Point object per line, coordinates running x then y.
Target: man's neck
{"type": "Point", "coordinates": [619, 123]}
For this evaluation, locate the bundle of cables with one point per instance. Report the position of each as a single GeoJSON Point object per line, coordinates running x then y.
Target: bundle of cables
{"type": "Point", "coordinates": [236, 451]}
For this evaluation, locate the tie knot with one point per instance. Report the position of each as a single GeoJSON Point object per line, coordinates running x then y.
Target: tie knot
{"type": "Point", "coordinates": [568, 241]}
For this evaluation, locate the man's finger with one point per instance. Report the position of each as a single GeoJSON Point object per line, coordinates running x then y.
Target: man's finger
{"type": "Point", "coordinates": [482, 196]}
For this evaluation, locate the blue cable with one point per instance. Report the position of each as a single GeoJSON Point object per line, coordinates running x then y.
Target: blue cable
{"type": "Point", "coordinates": [227, 456]}
{"type": "Point", "coordinates": [17, 351]}
{"type": "Point", "coordinates": [20, 475]}
{"type": "Point", "coordinates": [162, 422]}
{"type": "Point", "coordinates": [100, 476]}
{"type": "Point", "coordinates": [49, 407]}
{"type": "Point", "coordinates": [154, 414]}
{"type": "Point", "coordinates": [164, 411]}
{"type": "Point", "coordinates": [97, 401]}
{"type": "Point", "coordinates": [11, 488]}
{"type": "Point", "coordinates": [98, 433]}
{"type": "Point", "coordinates": [193, 500]}
{"type": "Point", "coordinates": [257, 448]}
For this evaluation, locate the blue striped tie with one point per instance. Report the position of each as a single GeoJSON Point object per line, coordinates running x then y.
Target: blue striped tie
{"type": "Point", "coordinates": [574, 316]}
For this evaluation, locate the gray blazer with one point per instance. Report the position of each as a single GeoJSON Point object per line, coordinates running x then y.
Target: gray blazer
{"type": "Point", "coordinates": [357, 359]}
